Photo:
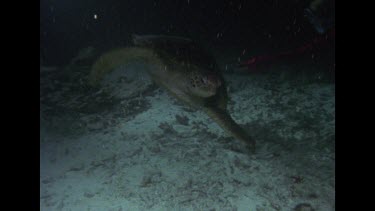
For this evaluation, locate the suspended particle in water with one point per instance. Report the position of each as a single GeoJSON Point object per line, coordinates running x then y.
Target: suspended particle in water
{"type": "Point", "coordinates": [95, 16]}
{"type": "Point", "coordinates": [243, 52]}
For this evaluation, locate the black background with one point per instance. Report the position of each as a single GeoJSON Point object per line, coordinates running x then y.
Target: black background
{"type": "Point", "coordinates": [69, 25]}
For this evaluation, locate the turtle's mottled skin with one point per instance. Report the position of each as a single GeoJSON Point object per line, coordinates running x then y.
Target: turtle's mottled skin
{"type": "Point", "coordinates": [185, 69]}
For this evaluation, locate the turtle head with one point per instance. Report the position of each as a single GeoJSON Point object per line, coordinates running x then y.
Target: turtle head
{"type": "Point", "coordinates": [204, 84]}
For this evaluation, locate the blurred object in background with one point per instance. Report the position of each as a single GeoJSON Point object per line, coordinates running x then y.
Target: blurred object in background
{"type": "Point", "coordinates": [321, 14]}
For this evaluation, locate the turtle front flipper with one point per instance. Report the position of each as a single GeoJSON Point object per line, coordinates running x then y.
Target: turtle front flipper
{"type": "Point", "coordinates": [223, 118]}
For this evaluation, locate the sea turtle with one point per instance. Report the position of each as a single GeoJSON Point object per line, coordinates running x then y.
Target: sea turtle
{"type": "Point", "coordinates": [184, 68]}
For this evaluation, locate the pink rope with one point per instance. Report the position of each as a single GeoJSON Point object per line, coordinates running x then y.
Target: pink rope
{"type": "Point", "coordinates": [320, 41]}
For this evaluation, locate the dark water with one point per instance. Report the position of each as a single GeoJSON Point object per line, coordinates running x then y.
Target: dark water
{"type": "Point", "coordinates": [261, 27]}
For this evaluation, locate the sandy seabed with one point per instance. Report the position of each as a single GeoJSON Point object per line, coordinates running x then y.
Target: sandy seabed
{"type": "Point", "coordinates": [137, 148]}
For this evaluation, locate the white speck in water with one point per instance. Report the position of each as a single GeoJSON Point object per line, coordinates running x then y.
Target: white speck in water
{"type": "Point", "coordinates": [239, 7]}
{"type": "Point", "coordinates": [243, 52]}
{"type": "Point", "coordinates": [226, 67]}
{"type": "Point", "coordinates": [188, 1]}
{"type": "Point", "coordinates": [95, 16]}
